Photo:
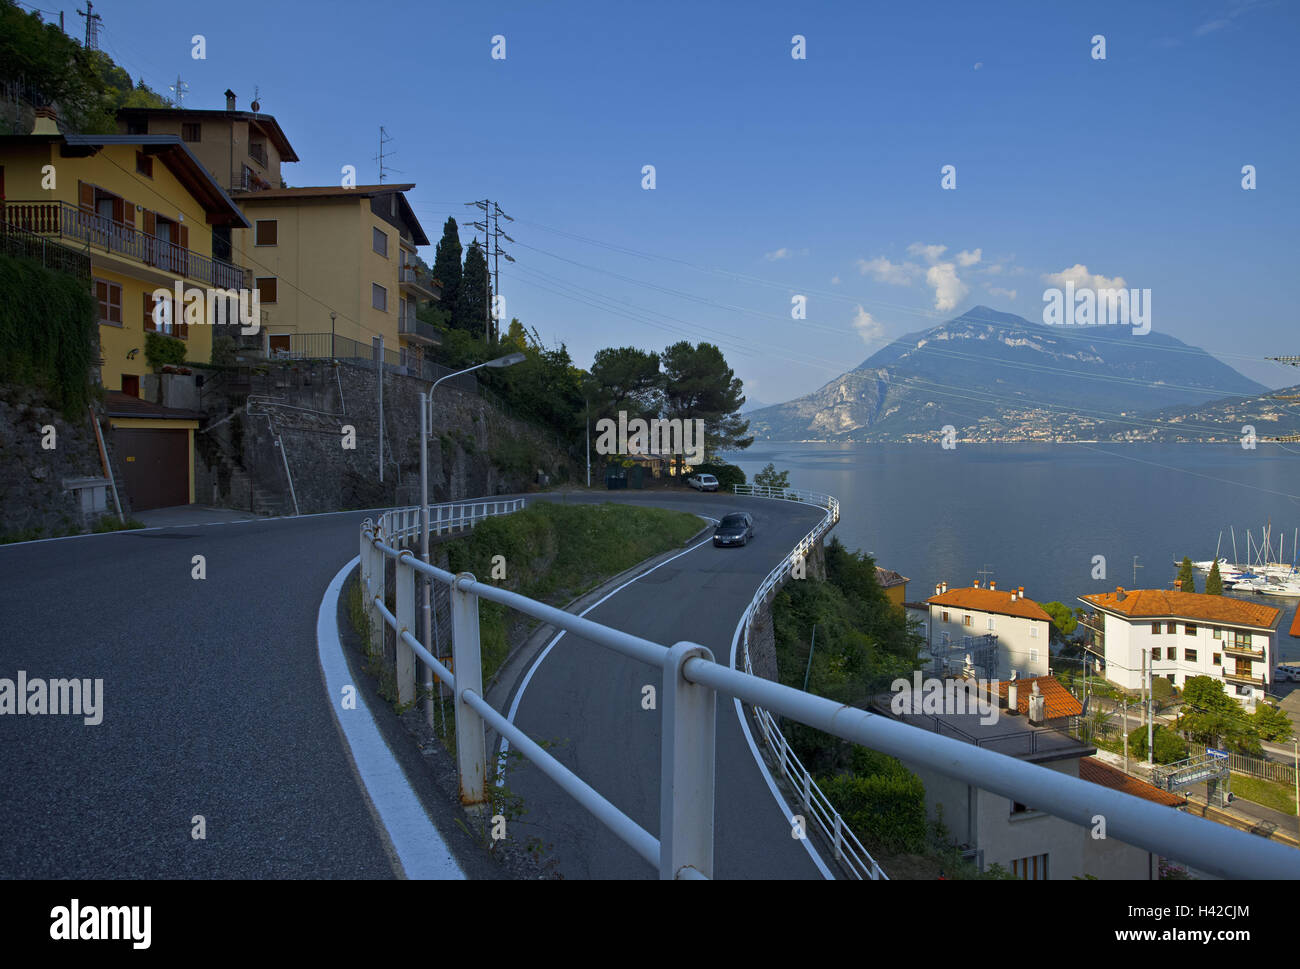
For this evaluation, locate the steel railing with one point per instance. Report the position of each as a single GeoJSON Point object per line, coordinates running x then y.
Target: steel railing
{"type": "Point", "coordinates": [65, 221]}
{"type": "Point", "coordinates": [691, 682]}
{"type": "Point", "coordinates": [848, 850]}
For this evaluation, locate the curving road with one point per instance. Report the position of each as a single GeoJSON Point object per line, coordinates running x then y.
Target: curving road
{"type": "Point", "coordinates": [214, 705]}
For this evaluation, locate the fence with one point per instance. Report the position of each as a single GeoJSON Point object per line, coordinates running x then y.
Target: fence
{"type": "Point", "coordinates": [691, 684]}
{"type": "Point", "coordinates": [328, 346]}
{"type": "Point", "coordinates": [52, 255]}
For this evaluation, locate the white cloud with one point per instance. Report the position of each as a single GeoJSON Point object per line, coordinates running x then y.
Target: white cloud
{"type": "Point", "coordinates": [948, 289]}
{"type": "Point", "coordinates": [931, 253]}
{"type": "Point", "coordinates": [895, 273]}
{"type": "Point", "coordinates": [782, 253]}
{"type": "Point", "coordinates": [969, 257]}
{"type": "Point", "coordinates": [978, 65]}
{"type": "Point", "coordinates": [1082, 279]}
{"type": "Point", "coordinates": [998, 291]}
{"type": "Point", "coordinates": [1210, 26]}
{"type": "Point", "coordinates": [835, 280]}
{"type": "Point", "coordinates": [868, 327]}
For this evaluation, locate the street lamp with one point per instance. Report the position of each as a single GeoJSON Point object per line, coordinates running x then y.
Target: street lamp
{"type": "Point", "coordinates": [333, 317]}
{"type": "Point", "coordinates": [426, 419]}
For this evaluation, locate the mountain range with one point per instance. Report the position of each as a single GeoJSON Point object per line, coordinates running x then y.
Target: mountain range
{"type": "Point", "coordinates": [995, 376]}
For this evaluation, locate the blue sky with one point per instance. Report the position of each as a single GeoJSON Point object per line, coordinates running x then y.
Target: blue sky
{"type": "Point", "coordinates": [777, 176]}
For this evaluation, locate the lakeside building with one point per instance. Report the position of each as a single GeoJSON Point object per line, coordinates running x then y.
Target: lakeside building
{"type": "Point", "coordinates": [144, 211]}
{"type": "Point", "coordinates": [1186, 634]}
{"type": "Point", "coordinates": [1019, 625]}
{"type": "Point", "coordinates": [335, 267]}
{"type": "Point", "coordinates": [994, 829]}
{"type": "Point", "coordinates": [895, 586]}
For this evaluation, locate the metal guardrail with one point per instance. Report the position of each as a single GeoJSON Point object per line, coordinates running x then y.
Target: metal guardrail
{"type": "Point", "coordinates": [848, 850]}
{"type": "Point", "coordinates": [692, 680]}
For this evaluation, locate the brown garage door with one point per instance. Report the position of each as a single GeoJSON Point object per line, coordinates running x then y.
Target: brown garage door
{"type": "Point", "coordinates": [157, 466]}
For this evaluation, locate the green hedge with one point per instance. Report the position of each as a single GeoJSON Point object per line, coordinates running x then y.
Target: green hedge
{"type": "Point", "coordinates": [882, 802]}
{"type": "Point", "coordinates": [161, 349]}
{"type": "Point", "coordinates": [727, 474]}
{"type": "Point", "coordinates": [47, 331]}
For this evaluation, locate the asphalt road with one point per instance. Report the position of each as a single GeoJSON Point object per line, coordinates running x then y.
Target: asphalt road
{"type": "Point", "coordinates": [214, 705]}
{"type": "Point", "coordinates": [587, 700]}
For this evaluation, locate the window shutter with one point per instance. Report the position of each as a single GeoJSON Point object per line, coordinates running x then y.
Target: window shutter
{"type": "Point", "coordinates": [150, 224]}
{"type": "Point", "coordinates": [184, 240]}
{"type": "Point", "coordinates": [148, 313]}
{"type": "Point", "coordinates": [117, 210]}
{"type": "Point", "coordinates": [86, 196]}
{"type": "Point", "coordinates": [128, 213]}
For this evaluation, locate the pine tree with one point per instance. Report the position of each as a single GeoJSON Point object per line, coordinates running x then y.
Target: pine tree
{"type": "Point", "coordinates": [446, 263]}
{"type": "Point", "coordinates": [1188, 575]}
{"type": "Point", "coordinates": [473, 297]}
{"type": "Point", "coordinates": [1214, 581]}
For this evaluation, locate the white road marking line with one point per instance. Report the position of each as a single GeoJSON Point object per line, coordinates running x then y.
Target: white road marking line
{"type": "Point", "coordinates": [420, 848]}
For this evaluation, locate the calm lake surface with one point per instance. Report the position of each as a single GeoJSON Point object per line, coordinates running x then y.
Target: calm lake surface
{"type": "Point", "coordinates": [1034, 515]}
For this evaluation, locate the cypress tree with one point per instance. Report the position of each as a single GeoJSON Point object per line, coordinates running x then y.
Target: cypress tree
{"type": "Point", "coordinates": [1214, 581]}
{"type": "Point", "coordinates": [473, 296]}
{"type": "Point", "coordinates": [1188, 575]}
{"type": "Point", "coordinates": [446, 263]}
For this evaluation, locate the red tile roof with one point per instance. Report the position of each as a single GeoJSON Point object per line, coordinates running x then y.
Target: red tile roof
{"type": "Point", "coordinates": [118, 404]}
{"type": "Point", "coordinates": [888, 578]}
{"type": "Point", "coordinates": [1098, 772]}
{"type": "Point", "coordinates": [1060, 701]}
{"type": "Point", "coordinates": [991, 600]}
{"type": "Point", "coordinates": [1161, 603]}
{"type": "Point", "coordinates": [1295, 625]}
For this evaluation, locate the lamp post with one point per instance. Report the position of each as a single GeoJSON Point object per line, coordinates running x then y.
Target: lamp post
{"type": "Point", "coordinates": [333, 317]}
{"type": "Point", "coordinates": [426, 421]}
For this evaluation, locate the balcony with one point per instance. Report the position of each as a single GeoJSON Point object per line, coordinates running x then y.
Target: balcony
{"type": "Point", "coordinates": [247, 180]}
{"type": "Point", "coordinates": [1231, 676]}
{"type": "Point", "coordinates": [417, 332]}
{"type": "Point", "coordinates": [415, 283]}
{"type": "Point", "coordinates": [59, 220]}
{"type": "Point", "coordinates": [1240, 649]}
{"type": "Point", "coordinates": [257, 152]}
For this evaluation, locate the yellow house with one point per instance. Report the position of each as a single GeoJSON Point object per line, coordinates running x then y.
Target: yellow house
{"type": "Point", "coordinates": [144, 209]}
{"type": "Point", "coordinates": [335, 269]}
{"type": "Point", "coordinates": [894, 584]}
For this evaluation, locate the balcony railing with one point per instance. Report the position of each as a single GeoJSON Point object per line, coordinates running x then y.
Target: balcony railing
{"type": "Point", "coordinates": [63, 221]}
{"type": "Point", "coordinates": [247, 180]}
{"type": "Point", "coordinates": [1234, 677]}
{"type": "Point", "coordinates": [411, 278]}
{"type": "Point", "coordinates": [257, 152]}
{"type": "Point", "coordinates": [1241, 649]}
{"type": "Point", "coordinates": [409, 326]}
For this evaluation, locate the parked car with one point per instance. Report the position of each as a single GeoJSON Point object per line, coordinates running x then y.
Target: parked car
{"type": "Point", "coordinates": [1286, 672]}
{"type": "Point", "coordinates": [703, 482]}
{"type": "Point", "coordinates": [734, 529]}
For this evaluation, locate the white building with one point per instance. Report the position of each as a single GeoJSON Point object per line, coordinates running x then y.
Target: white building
{"type": "Point", "coordinates": [1186, 634]}
{"type": "Point", "coordinates": [1020, 624]}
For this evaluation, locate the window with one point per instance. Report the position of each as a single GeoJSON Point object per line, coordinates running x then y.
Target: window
{"type": "Point", "coordinates": [1243, 639]}
{"type": "Point", "coordinates": [144, 164]}
{"type": "Point", "coordinates": [1217, 660]}
{"type": "Point", "coordinates": [990, 623]}
{"type": "Point", "coordinates": [392, 205]}
{"type": "Point", "coordinates": [1033, 656]}
{"type": "Point", "coordinates": [267, 287]}
{"type": "Point", "coordinates": [1171, 628]}
{"type": "Point", "coordinates": [1033, 631]}
{"type": "Point", "coordinates": [190, 131]}
{"type": "Point", "coordinates": [1033, 868]}
{"type": "Point", "coordinates": [945, 615]}
{"type": "Point", "coordinates": [176, 326]}
{"type": "Point", "coordinates": [380, 242]}
{"type": "Point", "coordinates": [1155, 629]}
{"type": "Point", "coordinates": [1189, 655]}
{"type": "Point", "coordinates": [268, 232]}
{"type": "Point", "coordinates": [110, 302]}
{"type": "Point", "coordinates": [1018, 808]}
{"type": "Point", "coordinates": [137, 126]}
{"type": "Point", "coordinates": [1217, 633]}
{"type": "Point", "coordinates": [131, 384]}
{"type": "Point", "coordinates": [1170, 677]}
{"type": "Point", "coordinates": [965, 620]}
{"type": "Point", "coordinates": [378, 297]}
{"type": "Point", "coordinates": [1189, 629]}
{"type": "Point", "coordinates": [925, 628]}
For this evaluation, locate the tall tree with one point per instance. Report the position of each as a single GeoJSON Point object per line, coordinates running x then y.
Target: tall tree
{"type": "Point", "coordinates": [473, 297]}
{"type": "Point", "coordinates": [446, 262]}
{"type": "Point", "coordinates": [1214, 581]}
{"type": "Point", "coordinates": [625, 378]}
{"type": "Point", "coordinates": [698, 384]}
{"type": "Point", "coordinates": [1188, 575]}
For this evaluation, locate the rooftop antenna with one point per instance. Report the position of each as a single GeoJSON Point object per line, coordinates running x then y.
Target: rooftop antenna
{"type": "Point", "coordinates": [984, 573]}
{"type": "Point", "coordinates": [1135, 571]}
{"type": "Point", "coordinates": [384, 170]}
{"type": "Point", "coordinates": [257, 104]}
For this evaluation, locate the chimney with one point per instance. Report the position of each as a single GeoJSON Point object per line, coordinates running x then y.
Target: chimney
{"type": "Point", "coordinates": [230, 100]}
{"type": "Point", "coordinates": [993, 584]}
{"type": "Point", "coordinates": [1119, 593]}
{"type": "Point", "coordinates": [937, 590]}
{"type": "Point", "coordinates": [1178, 585]}
{"type": "Point", "coordinates": [977, 583]}
{"type": "Point", "coordinates": [944, 586]}
{"type": "Point", "coordinates": [1037, 706]}
{"type": "Point", "coordinates": [47, 121]}
{"type": "Point", "coordinates": [1013, 696]}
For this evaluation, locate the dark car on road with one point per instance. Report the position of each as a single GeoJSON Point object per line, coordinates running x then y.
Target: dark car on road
{"type": "Point", "coordinates": [734, 529]}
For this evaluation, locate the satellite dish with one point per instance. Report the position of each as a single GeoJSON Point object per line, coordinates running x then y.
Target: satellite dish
{"type": "Point", "coordinates": [256, 106]}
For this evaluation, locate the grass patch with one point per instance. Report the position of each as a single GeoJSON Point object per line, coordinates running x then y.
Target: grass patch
{"type": "Point", "coordinates": [555, 553]}
{"type": "Point", "coordinates": [1279, 797]}
{"type": "Point", "coordinates": [111, 523]}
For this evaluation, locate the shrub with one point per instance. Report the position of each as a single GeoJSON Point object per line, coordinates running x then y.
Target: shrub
{"type": "Point", "coordinates": [886, 809]}
{"type": "Point", "coordinates": [1169, 747]}
{"type": "Point", "coordinates": [160, 350]}
{"type": "Point", "coordinates": [727, 474]}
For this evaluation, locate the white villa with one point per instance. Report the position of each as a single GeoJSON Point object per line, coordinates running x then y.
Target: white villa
{"type": "Point", "coordinates": [1020, 625]}
{"type": "Point", "coordinates": [1187, 634]}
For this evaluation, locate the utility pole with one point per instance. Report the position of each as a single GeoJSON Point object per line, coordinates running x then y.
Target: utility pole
{"type": "Point", "coordinates": [1151, 715]}
{"type": "Point", "coordinates": [179, 89]}
{"type": "Point", "coordinates": [1135, 571]}
{"type": "Point", "coordinates": [492, 253]}
{"type": "Point", "coordinates": [93, 20]}
{"type": "Point", "coordinates": [1126, 735]}
{"type": "Point", "coordinates": [808, 671]}
{"type": "Point", "coordinates": [379, 374]}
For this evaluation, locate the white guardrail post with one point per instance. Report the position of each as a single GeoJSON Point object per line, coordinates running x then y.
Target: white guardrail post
{"type": "Point", "coordinates": [467, 668]}
{"type": "Point", "coordinates": [405, 659]}
{"type": "Point", "coordinates": [375, 589]}
{"type": "Point", "coordinates": [687, 770]}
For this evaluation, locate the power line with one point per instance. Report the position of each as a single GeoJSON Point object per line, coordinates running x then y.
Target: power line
{"type": "Point", "coordinates": [93, 20]}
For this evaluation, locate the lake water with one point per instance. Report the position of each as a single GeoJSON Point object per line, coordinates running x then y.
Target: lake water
{"type": "Point", "coordinates": [1035, 515]}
